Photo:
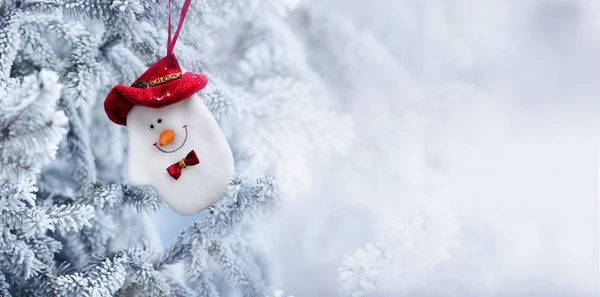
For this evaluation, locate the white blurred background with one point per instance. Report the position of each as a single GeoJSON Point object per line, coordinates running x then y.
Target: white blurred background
{"type": "Point", "coordinates": [490, 108]}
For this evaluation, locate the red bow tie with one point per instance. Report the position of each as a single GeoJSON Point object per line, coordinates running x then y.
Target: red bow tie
{"type": "Point", "coordinates": [190, 160]}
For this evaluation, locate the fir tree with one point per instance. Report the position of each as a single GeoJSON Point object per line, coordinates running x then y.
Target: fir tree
{"type": "Point", "coordinates": [71, 226]}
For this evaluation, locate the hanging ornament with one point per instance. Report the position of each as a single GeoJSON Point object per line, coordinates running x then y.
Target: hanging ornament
{"type": "Point", "coordinates": [175, 144]}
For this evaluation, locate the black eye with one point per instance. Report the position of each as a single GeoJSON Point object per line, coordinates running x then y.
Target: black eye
{"type": "Point", "coordinates": [151, 126]}
{"type": "Point", "coordinates": [159, 120]}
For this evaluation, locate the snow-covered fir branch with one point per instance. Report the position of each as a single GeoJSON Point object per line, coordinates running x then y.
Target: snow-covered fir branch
{"type": "Point", "coordinates": [421, 236]}
{"type": "Point", "coordinates": [210, 240]}
{"type": "Point", "coordinates": [9, 42]}
{"type": "Point", "coordinates": [71, 226]}
{"type": "Point", "coordinates": [242, 202]}
{"type": "Point", "coordinates": [30, 123]}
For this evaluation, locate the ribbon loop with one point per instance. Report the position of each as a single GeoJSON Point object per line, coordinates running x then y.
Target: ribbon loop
{"type": "Point", "coordinates": [172, 40]}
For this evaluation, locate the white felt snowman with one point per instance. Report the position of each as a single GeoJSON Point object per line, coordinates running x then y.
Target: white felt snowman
{"type": "Point", "coordinates": [175, 144]}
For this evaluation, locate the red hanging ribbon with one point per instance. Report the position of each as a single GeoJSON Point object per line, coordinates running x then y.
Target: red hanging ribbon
{"type": "Point", "coordinates": [184, 10]}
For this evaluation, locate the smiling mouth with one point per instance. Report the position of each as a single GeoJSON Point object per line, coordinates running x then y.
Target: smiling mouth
{"type": "Point", "coordinates": [168, 152]}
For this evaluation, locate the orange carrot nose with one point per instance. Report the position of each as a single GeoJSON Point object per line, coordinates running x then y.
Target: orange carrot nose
{"type": "Point", "coordinates": [166, 137]}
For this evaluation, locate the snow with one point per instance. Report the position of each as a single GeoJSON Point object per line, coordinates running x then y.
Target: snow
{"type": "Point", "coordinates": [421, 148]}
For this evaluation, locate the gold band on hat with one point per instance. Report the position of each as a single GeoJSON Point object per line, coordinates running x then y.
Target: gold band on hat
{"type": "Point", "coordinates": [159, 81]}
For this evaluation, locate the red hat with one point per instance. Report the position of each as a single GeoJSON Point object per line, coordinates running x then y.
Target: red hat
{"type": "Point", "coordinates": [161, 85]}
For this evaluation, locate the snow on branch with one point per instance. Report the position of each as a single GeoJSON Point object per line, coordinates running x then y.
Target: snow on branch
{"type": "Point", "coordinates": [242, 201]}
{"type": "Point", "coordinates": [115, 195]}
{"type": "Point", "coordinates": [239, 275]}
{"type": "Point", "coordinates": [65, 218]}
{"type": "Point", "coordinates": [10, 21]}
{"type": "Point", "coordinates": [104, 279]}
{"type": "Point", "coordinates": [30, 126]}
{"type": "Point", "coordinates": [24, 247]}
{"type": "Point", "coordinates": [208, 239]}
{"type": "Point", "coordinates": [138, 269]}
{"type": "Point", "coordinates": [419, 239]}
{"type": "Point", "coordinates": [132, 22]}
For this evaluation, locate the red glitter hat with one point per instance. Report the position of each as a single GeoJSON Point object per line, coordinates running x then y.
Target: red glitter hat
{"type": "Point", "coordinates": [161, 85]}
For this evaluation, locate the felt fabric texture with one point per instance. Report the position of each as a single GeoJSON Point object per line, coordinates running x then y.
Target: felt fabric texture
{"type": "Point", "coordinates": [195, 128]}
{"type": "Point", "coordinates": [121, 99]}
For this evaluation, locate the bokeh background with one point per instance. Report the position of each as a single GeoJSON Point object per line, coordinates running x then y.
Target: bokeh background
{"type": "Point", "coordinates": [487, 110]}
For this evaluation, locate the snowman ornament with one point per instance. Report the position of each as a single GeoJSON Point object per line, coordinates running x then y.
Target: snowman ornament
{"type": "Point", "coordinates": [175, 144]}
